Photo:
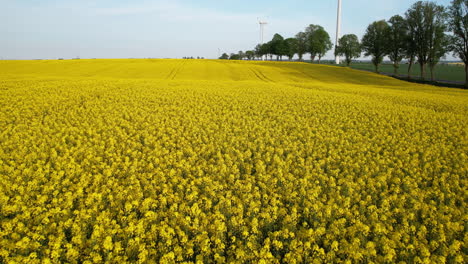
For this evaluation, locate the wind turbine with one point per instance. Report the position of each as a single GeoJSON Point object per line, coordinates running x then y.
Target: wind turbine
{"type": "Point", "coordinates": [338, 30]}
{"type": "Point", "coordinates": [262, 30]}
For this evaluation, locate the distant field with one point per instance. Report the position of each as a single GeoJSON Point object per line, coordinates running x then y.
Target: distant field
{"type": "Point", "coordinates": [209, 161]}
{"type": "Point", "coordinates": [443, 72]}
{"type": "Point", "coordinates": [191, 70]}
{"type": "Point", "coordinates": [457, 64]}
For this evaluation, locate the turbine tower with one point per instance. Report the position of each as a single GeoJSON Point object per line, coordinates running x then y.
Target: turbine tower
{"type": "Point", "coordinates": [338, 30]}
{"type": "Point", "coordinates": [262, 31]}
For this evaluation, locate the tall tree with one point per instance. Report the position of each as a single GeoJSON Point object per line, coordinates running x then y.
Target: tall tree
{"type": "Point", "coordinates": [374, 42]}
{"type": "Point", "coordinates": [310, 32]}
{"type": "Point", "coordinates": [258, 51]}
{"type": "Point", "coordinates": [291, 47]}
{"type": "Point", "coordinates": [318, 41]}
{"type": "Point", "coordinates": [458, 24]}
{"type": "Point", "coordinates": [241, 55]}
{"type": "Point", "coordinates": [282, 49]}
{"type": "Point", "coordinates": [301, 44]}
{"type": "Point", "coordinates": [265, 50]}
{"type": "Point", "coordinates": [438, 49]}
{"type": "Point", "coordinates": [426, 20]}
{"type": "Point", "coordinates": [234, 56]}
{"type": "Point", "coordinates": [348, 46]}
{"type": "Point", "coordinates": [224, 56]}
{"type": "Point", "coordinates": [270, 48]}
{"type": "Point", "coordinates": [250, 54]}
{"type": "Point", "coordinates": [410, 48]}
{"type": "Point", "coordinates": [322, 42]}
{"type": "Point", "coordinates": [396, 43]}
{"type": "Point", "coordinates": [277, 46]}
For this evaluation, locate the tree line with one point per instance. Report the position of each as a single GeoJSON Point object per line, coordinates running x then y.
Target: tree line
{"type": "Point", "coordinates": [425, 34]}
{"type": "Point", "coordinates": [314, 40]}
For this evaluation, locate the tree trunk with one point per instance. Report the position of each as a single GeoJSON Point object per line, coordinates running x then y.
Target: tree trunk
{"type": "Point", "coordinates": [312, 58]}
{"type": "Point", "coordinates": [319, 59]}
{"type": "Point", "coordinates": [410, 66]}
{"type": "Point", "coordinates": [432, 68]}
{"type": "Point", "coordinates": [395, 69]}
{"type": "Point", "coordinates": [423, 70]}
{"type": "Point", "coordinates": [466, 76]}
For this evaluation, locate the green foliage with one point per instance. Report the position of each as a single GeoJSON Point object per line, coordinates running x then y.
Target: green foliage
{"type": "Point", "coordinates": [322, 42]}
{"type": "Point", "coordinates": [250, 54]}
{"type": "Point", "coordinates": [426, 21]}
{"type": "Point", "coordinates": [318, 41]}
{"type": "Point", "coordinates": [278, 46]}
{"type": "Point", "coordinates": [263, 49]}
{"type": "Point", "coordinates": [241, 54]}
{"type": "Point", "coordinates": [224, 56]}
{"type": "Point", "coordinates": [301, 38]}
{"type": "Point", "coordinates": [375, 42]}
{"type": "Point", "coordinates": [396, 43]}
{"type": "Point", "coordinates": [438, 48]}
{"type": "Point", "coordinates": [258, 51]}
{"type": "Point", "coordinates": [291, 47]}
{"type": "Point", "coordinates": [458, 24]}
{"type": "Point", "coordinates": [234, 56]}
{"type": "Point", "coordinates": [348, 46]}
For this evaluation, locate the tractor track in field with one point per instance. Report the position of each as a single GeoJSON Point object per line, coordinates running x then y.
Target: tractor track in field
{"type": "Point", "coordinates": [260, 75]}
{"type": "Point", "coordinates": [173, 74]}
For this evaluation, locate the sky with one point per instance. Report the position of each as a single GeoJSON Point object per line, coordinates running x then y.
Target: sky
{"type": "Point", "coordinates": [51, 29]}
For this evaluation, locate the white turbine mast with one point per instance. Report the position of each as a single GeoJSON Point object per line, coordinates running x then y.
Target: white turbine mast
{"type": "Point", "coordinates": [262, 30]}
{"type": "Point", "coordinates": [338, 30]}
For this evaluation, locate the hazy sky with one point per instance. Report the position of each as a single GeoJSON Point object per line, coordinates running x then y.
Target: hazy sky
{"type": "Point", "coordinates": [50, 29]}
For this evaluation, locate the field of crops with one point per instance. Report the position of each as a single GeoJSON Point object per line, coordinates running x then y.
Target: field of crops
{"type": "Point", "coordinates": [200, 161]}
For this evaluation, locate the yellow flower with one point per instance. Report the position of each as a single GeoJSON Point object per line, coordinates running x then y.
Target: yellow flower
{"type": "Point", "coordinates": [189, 161]}
{"type": "Point", "coordinates": [334, 245]}
{"type": "Point", "coordinates": [108, 243]}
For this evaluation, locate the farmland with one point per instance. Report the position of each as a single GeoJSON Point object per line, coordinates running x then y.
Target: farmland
{"type": "Point", "coordinates": [203, 161]}
{"type": "Point", "coordinates": [451, 72]}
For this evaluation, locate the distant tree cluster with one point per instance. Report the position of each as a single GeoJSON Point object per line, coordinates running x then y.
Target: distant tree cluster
{"type": "Point", "coordinates": [314, 40]}
{"type": "Point", "coordinates": [423, 35]}
{"type": "Point", "coordinates": [192, 58]}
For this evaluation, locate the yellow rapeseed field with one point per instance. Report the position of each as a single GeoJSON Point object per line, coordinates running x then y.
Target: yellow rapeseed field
{"type": "Point", "coordinates": [205, 161]}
